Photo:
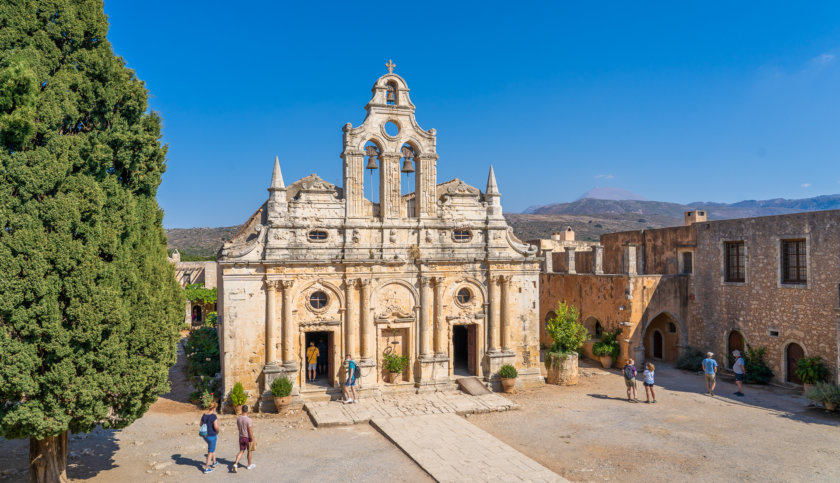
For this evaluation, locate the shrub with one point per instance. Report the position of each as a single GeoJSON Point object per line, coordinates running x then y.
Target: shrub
{"type": "Point", "coordinates": [207, 397]}
{"type": "Point", "coordinates": [811, 370]}
{"type": "Point", "coordinates": [210, 319]}
{"type": "Point", "coordinates": [507, 371]}
{"type": "Point", "coordinates": [565, 330]}
{"type": "Point", "coordinates": [394, 363]}
{"type": "Point", "coordinates": [281, 387]}
{"type": "Point", "coordinates": [608, 345]}
{"type": "Point", "coordinates": [237, 395]}
{"type": "Point", "coordinates": [202, 351]}
{"type": "Point", "coordinates": [757, 370]}
{"type": "Point", "coordinates": [824, 392]}
{"type": "Point", "coordinates": [690, 360]}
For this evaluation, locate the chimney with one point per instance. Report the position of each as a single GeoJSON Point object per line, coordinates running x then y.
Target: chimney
{"type": "Point", "coordinates": [697, 216]}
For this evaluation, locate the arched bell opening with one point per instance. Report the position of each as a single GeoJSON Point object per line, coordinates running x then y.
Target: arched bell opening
{"type": "Point", "coordinates": [372, 163]}
{"type": "Point", "coordinates": [407, 171]}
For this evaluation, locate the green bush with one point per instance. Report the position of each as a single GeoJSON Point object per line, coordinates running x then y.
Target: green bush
{"type": "Point", "coordinates": [507, 371]}
{"type": "Point", "coordinates": [237, 395]}
{"type": "Point", "coordinates": [202, 351]}
{"type": "Point", "coordinates": [811, 370]}
{"type": "Point", "coordinates": [394, 363]}
{"type": "Point", "coordinates": [824, 392]}
{"type": "Point", "coordinates": [565, 330]}
{"type": "Point", "coordinates": [757, 370]}
{"type": "Point", "coordinates": [206, 398]}
{"type": "Point", "coordinates": [281, 387]}
{"type": "Point", "coordinates": [210, 319]}
{"type": "Point", "coordinates": [691, 360]}
{"type": "Point", "coordinates": [608, 345]}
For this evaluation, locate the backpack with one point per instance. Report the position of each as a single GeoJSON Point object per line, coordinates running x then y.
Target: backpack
{"type": "Point", "coordinates": [628, 372]}
{"type": "Point", "coordinates": [202, 431]}
{"type": "Point", "coordinates": [357, 373]}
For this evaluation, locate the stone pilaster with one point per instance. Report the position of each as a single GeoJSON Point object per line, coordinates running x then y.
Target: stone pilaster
{"type": "Point", "coordinates": [351, 320]}
{"type": "Point", "coordinates": [289, 329]}
{"type": "Point", "coordinates": [389, 186]}
{"type": "Point", "coordinates": [494, 326]}
{"type": "Point", "coordinates": [549, 260]}
{"type": "Point", "coordinates": [440, 323]}
{"type": "Point", "coordinates": [354, 182]}
{"type": "Point", "coordinates": [425, 307]}
{"type": "Point", "coordinates": [367, 321]}
{"type": "Point", "coordinates": [426, 185]}
{"type": "Point", "coordinates": [598, 262]}
{"type": "Point", "coordinates": [570, 260]}
{"type": "Point", "coordinates": [505, 316]}
{"type": "Point", "coordinates": [270, 321]}
{"type": "Point", "coordinates": [629, 259]}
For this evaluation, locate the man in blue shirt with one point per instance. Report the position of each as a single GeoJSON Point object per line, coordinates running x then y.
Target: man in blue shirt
{"type": "Point", "coordinates": [350, 382]}
{"type": "Point", "coordinates": [710, 367]}
{"type": "Point", "coordinates": [739, 368]}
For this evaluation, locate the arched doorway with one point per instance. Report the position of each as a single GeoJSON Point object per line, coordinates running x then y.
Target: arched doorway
{"type": "Point", "coordinates": [196, 313]}
{"type": "Point", "coordinates": [662, 338]}
{"type": "Point", "coordinates": [734, 342]}
{"type": "Point", "coordinates": [793, 353]}
{"type": "Point", "coordinates": [658, 345]}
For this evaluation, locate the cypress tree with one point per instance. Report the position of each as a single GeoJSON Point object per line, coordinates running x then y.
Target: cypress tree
{"type": "Point", "coordinates": [89, 306]}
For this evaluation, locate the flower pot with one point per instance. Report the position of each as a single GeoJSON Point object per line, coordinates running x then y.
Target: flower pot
{"type": "Point", "coordinates": [237, 409]}
{"type": "Point", "coordinates": [562, 371]}
{"type": "Point", "coordinates": [606, 361]}
{"type": "Point", "coordinates": [830, 405]}
{"type": "Point", "coordinates": [806, 387]}
{"type": "Point", "coordinates": [394, 377]}
{"type": "Point", "coordinates": [281, 403]}
{"type": "Point", "coordinates": [508, 383]}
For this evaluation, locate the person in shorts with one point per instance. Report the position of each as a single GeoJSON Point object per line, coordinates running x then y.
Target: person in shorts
{"type": "Point", "coordinates": [739, 368]}
{"type": "Point", "coordinates": [648, 374]}
{"type": "Point", "coordinates": [710, 367]}
{"type": "Point", "coordinates": [246, 438]}
{"type": "Point", "coordinates": [629, 372]}
{"type": "Point", "coordinates": [312, 354]}
{"type": "Point", "coordinates": [212, 423]}
{"type": "Point", "coordinates": [350, 383]}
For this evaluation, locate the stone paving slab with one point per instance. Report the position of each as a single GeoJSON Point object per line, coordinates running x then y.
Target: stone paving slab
{"type": "Point", "coordinates": [335, 413]}
{"type": "Point", "coordinates": [451, 449]}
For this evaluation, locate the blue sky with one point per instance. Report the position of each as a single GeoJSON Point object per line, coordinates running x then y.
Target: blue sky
{"type": "Point", "coordinates": [715, 101]}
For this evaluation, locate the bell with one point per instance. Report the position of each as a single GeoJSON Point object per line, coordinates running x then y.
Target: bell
{"type": "Point", "coordinates": [371, 163]}
{"type": "Point", "coordinates": [408, 166]}
{"type": "Point", "coordinates": [391, 99]}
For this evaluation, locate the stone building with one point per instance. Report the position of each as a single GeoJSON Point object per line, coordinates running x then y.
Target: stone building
{"type": "Point", "coordinates": [187, 273]}
{"type": "Point", "coordinates": [431, 271]}
{"type": "Point", "coordinates": [770, 282]}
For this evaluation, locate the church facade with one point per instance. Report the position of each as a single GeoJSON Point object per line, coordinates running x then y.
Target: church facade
{"type": "Point", "coordinates": [430, 271]}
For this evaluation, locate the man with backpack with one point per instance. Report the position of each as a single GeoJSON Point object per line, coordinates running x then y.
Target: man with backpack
{"type": "Point", "coordinates": [350, 382]}
{"type": "Point", "coordinates": [630, 380]}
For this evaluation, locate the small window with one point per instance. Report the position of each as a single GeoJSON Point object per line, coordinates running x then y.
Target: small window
{"type": "Point", "coordinates": [687, 262]}
{"type": "Point", "coordinates": [794, 268]}
{"type": "Point", "coordinates": [774, 333]}
{"type": "Point", "coordinates": [318, 300]}
{"type": "Point", "coordinates": [464, 296]}
{"type": "Point", "coordinates": [317, 235]}
{"type": "Point", "coordinates": [735, 256]}
{"type": "Point", "coordinates": [672, 328]}
{"type": "Point", "coordinates": [461, 235]}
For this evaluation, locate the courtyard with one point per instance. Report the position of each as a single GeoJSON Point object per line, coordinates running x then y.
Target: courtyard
{"type": "Point", "coordinates": [588, 432]}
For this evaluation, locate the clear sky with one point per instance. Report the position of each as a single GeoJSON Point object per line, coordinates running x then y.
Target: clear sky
{"type": "Point", "coordinates": [716, 101]}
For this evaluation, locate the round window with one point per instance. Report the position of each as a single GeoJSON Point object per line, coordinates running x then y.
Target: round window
{"type": "Point", "coordinates": [318, 300]}
{"type": "Point", "coordinates": [392, 129]}
{"type": "Point", "coordinates": [464, 296]}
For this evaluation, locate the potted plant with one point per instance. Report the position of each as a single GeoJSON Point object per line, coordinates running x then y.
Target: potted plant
{"type": "Point", "coordinates": [281, 389]}
{"type": "Point", "coordinates": [508, 374]}
{"type": "Point", "coordinates": [394, 365]}
{"type": "Point", "coordinates": [568, 335]}
{"type": "Point", "coordinates": [607, 349]}
{"type": "Point", "coordinates": [238, 398]}
{"type": "Point", "coordinates": [811, 370]}
{"type": "Point", "coordinates": [825, 393]}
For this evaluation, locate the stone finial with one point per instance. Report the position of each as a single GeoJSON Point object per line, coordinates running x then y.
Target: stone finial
{"type": "Point", "coordinates": [492, 188]}
{"type": "Point", "coordinates": [277, 176]}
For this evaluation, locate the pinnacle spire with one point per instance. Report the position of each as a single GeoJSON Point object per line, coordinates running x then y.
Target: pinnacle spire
{"type": "Point", "coordinates": [277, 176]}
{"type": "Point", "coordinates": [492, 189]}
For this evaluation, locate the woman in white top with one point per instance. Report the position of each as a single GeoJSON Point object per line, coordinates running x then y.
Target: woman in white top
{"type": "Point", "coordinates": [649, 382]}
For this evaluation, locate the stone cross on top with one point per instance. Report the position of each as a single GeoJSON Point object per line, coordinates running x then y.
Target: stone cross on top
{"type": "Point", "coordinates": [390, 65]}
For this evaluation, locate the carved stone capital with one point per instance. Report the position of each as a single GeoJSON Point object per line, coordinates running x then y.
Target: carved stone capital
{"type": "Point", "coordinates": [287, 284]}
{"type": "Point", "coordinates": [271, 284]}
{"type": "Point", "coordinates": [425, 281]}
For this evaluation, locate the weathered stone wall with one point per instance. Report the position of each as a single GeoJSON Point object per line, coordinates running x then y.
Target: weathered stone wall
{"type": "Point", "coordinates": [657, 250]}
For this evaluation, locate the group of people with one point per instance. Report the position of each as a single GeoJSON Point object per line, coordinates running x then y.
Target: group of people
{"type": "Point", "coordinates": [710, 369]}
{"type": "Point", "coordinates": [209, 430]}
{"type": "Point", "coordinates": [629, 372]}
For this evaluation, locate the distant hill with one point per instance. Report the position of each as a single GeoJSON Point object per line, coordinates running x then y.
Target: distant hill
{"type": "Point", "coordinates": [591, 206]}
{"type": "Point", "coordinates": [199, 242]}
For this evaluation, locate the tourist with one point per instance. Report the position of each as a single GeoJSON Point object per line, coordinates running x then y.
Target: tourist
{"type": "Point", "coordinates": [630, 380]}
{"type": "Point", "coordinates": [246, 438]}
{"type": "Point", "coordinates": [649, 382]}
{"type": "Point", "coordinates": [210, 427]}
{"type": "Point", "coordinates": [710, 367]}
{"type": "Point", "coordinates": [322, 357]}
{"type": "Point", "coordinates": [739, 368]}
{"type": "Point", "coordinates": [312, 354]}
{"type": "Point", "coordinates": [350, 382]}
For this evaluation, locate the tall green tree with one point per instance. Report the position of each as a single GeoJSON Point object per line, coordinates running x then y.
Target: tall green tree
{"type": "Point", "coordinates": [89, 306]}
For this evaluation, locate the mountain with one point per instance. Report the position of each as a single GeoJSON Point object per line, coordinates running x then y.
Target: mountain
{"type": "Point", "coordinates": [591, 206]}
{"type": "Point", "coordinates": [599, 193]}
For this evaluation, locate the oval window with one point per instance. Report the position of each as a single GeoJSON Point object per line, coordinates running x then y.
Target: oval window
{"type": "Point", "coordinates": [318, 300]}
{"type": "Point", "coordinates": [461, 235]}
{"type": "Point", "coordinates": [464, 296]}
{"type": "Point", "coordinates": [317, 235]}
{"type": "Point", "coordinates": [392, 129]}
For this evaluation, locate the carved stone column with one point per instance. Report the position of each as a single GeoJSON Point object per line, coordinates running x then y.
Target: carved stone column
{"type": "Point", "coordinates": [270, 320]}
{"type": "Point", "coordinates": [598, 254]}
{"type": "Point", "coordinates": [288, 324]}
{"type": "Point", "coordinates": [354, 182]}
{"type": "Point", "coordinates": [351, 321]}
{"type": "Point", "coordinates": [505, 316]}
{"type": "Point", "coordinates": [389, 186]}
{"type": "Point", "coordinates": [549, 260]}
{"type": "Point", "coordinates": [629, 259]}
{"type": "Point", "coordinates": [494, 326]}
{"type": "Point", "coordinates": [570, 260]}
{"type": "Point", "coordinates": [424, 316]}
{"type": "Point", "coordinates": [440, 326]}
{"type": "Point", "coordinates": [367, 320]}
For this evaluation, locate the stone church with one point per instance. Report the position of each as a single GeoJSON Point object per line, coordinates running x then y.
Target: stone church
{"type": "Point", "coordinates": [415, 267]}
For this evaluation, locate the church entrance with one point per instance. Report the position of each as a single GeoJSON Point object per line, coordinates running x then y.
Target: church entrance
{"type": "Point", "coordinates": [463, 350]}
{"type": "Point", "coordinates": [324, 366]}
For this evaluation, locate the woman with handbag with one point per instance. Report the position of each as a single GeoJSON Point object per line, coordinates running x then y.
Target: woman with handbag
{"type": "Point", "coordinates": [209, 430]}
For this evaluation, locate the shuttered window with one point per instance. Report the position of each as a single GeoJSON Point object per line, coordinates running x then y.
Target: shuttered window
{"type": "Point", "coordinates": [794, 268]}
{"type": "Point", "coordinates": [735, 262]}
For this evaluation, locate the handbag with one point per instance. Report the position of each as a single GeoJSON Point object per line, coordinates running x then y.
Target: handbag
{"type": "Point", "coordinates": [252, 446]}
{"type": "Point", "coordinates": [202, 431]}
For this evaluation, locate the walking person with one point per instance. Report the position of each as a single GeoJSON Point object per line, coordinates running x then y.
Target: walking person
{"type": "Point", "coordinates": [710, 368]}
{"type": "Point", "coordinates": [350, 382]}
{"type": "Point", "coordinates": [209, 429]}
{"type": "Point", "coordinates": [246, 439]}
{"type": "Point", "coordinates": [630, 380]}
{"type": "Point", "coordinates": [740, 369]}
{"type": "Point", "coordinates": [312, 354]}
{"type": "Point", "coordinates": [649, 382]}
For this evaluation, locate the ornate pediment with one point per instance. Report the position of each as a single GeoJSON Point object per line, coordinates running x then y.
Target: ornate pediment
{"type": "Point", "coordinates": [394, 311]}
{"type": "Point", "coordinates": [462, 189]}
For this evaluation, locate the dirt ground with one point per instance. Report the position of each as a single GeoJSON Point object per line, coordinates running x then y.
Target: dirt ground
{"type": "Point", "coordinates": [591, 433]}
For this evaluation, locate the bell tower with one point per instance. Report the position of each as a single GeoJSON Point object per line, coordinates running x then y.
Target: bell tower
{"type": "Point", "coordinates": [390, 126]}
